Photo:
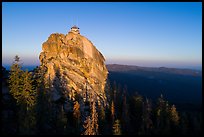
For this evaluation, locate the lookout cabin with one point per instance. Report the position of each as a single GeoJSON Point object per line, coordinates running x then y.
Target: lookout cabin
{"type": "Point", "coordinates": [75, 30]}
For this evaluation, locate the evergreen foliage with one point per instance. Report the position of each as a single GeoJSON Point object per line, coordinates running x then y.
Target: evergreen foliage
{"type": "Point", "coordinates": [174, 115]}
{"type": "Point", "coordinates": [117, 128]}
{"type": "Point", "coordinates": [22, 89]}
{"type": "Point", "coordinates": [77, 114]}
{"type": "Point", "coordinates": [124, 114]}
{"type": "Point", "coordinates": [15, 80]}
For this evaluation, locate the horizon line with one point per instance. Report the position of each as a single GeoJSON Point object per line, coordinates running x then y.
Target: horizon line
{"type": "Point", "coordinates": [199, 67]}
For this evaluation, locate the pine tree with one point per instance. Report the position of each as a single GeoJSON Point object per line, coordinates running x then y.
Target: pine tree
{"type": "Point", "coordinates": [114, 91]}
{"type": "Point", "coordinates": [15, 80]}
{"type": "Point", "coordinates": [28, 92]}
{"type": "Point", "coordinates": [136, 109]}
{"type": "Point", "coordinates": [117, 128]}
{"type": "Point", "coordinates": [163, 117]}
{"type": "Point", "coordinates": [61, 120]}
{"type": "Point", "coordinates": [174, 115]}
{"type": "Point", "coordinates": [109, 94]}
{"type": "Point", "coordinates": [160, 111]}
{"type": "Point", "coordinates": [91, 122]}
{"type": "Point", "coordinates": [125, 114]}
{"type": "Point", "coordinates": [94, 116]}
{"type": "Point", "coordinates": [184, 123]}
{"type": "Point", "coordinates": [88, 127]}
{"type": "Point", "coordinates": [102, 113]}
{"type": "Point", "coordinates": [112, 111]}
{"type": "Point", "coordinates": [28, 101]}
{"type": "Point", "coordinates": [102, 119]}
{"type": "Point", "coordinates": [76, 113]}
{"type": "Point", "coordinates": [146, 118]}
{"type": "Point", "coordinates": [43, 102]}
{"type": "Point", "coordinates": [124, 108]}
{"type": "Point", "coordinates": [38, 77]}
{"type": "Point", "coordinates": [22, 89]}
{"type": "Point", "coordinates": [20, 84]}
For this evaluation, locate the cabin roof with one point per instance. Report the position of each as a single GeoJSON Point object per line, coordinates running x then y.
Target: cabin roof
{"type": "Point", "coordinates": [74, 27]}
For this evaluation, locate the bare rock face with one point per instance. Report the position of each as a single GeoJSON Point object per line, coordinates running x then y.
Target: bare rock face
{"type": "Point", "coordinates": [74, 66]}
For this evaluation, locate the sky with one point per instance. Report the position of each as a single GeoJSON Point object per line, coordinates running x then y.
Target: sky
{"type": "Point", "coordinates": [152, 34]}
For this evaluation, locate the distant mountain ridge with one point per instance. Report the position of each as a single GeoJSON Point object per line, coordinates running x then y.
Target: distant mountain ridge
{"type": "Point", "coordinates": [131, 68]}
{"type": "Point", "coordinates": [177, 85]}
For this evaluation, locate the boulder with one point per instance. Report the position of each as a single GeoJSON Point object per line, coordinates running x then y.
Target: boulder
{"type": "Point", "coordinates": [77, 65]}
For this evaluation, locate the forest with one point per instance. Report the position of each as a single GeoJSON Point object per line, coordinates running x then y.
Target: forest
{"type": "Point", "coordinates": [27, 109]}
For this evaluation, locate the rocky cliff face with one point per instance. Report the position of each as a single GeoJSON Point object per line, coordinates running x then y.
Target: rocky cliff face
{"type": "Point", "coordinates": [74, 67]}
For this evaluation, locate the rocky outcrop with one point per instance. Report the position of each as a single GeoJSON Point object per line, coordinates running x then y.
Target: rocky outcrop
{"type": "Point", "coordinates": [74, 66]}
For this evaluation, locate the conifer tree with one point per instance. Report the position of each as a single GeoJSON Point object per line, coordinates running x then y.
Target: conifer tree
{"type": "Point", "coordinates": [61, 120]}
{"type": "Point", "coordinates": [136, 109]}
{"type": "Point", "coordinates": [124, 108]}
{"type": "Point", "coordinates": [88, 126]}
{"type": "Point", "coordinates": [146, 118]}
{"type": "Point", "coordinates": [28, 94]}
{"type": "Point", "coordinates": [15, 79]}
{"type": "Point", "coordinates": [125, 114]}
{"type": "Point", "coordinates": [160, 111]}
{"type": "Point", "coordinates": [102, 119]}
{"type": "Point", "coordinates": [102, 113]}
{"type": "Point", "coordinates": [184, 123]}
{"type": "Point", "coordinates": [22, 89]}
{"type": "Point", "coordinates": [114, 91]}
{"type": "Point", "coordinates": [117, 128]}
{"type": "Point", "coordinates": [76, 114]}
{"type": "Point", "coordinates": [162, 116]}
{"type": "Point", "coordinates": [109, 94]}
{"type": "Point", "coordinates": [112, 111]}
{"type": "Point", "coordinates": [28, 100]}
{"type": "Point", "coordinates": [43, 101]}
{"type": "Point", "coordinates": [91, 122]}
{"type": "Point", "coordinates": [174, 115]}
{"type": "Point", "coordinates": [94, 116]}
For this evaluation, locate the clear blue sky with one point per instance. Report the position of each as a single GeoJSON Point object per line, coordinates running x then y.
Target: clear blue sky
{"type": "Point", "coordinates": [144, 34]}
